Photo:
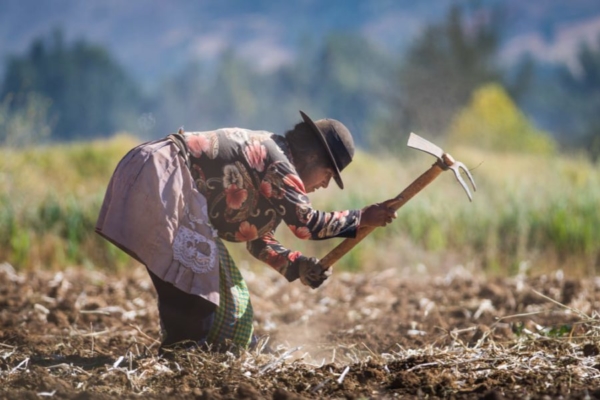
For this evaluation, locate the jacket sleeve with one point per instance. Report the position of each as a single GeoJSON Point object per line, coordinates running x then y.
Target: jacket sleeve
{"type": "Point", "coordinates": [285, 190]}
{"type": "Point", "coordinates": [268, 250]}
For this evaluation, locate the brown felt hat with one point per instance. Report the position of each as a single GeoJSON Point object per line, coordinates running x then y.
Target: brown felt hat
{"type": "Point", "coordinates": [338, 141]}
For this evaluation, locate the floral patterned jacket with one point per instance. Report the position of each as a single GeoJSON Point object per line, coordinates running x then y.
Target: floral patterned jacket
{"type": "Point", "coordinates": [251, 185]}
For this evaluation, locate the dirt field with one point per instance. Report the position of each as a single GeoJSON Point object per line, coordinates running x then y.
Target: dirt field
{"type": "Point", "coordinates": [87, 335]}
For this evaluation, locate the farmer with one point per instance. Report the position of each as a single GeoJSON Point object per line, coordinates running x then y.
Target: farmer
{"type": "Point", "coordinates": [171, 202]}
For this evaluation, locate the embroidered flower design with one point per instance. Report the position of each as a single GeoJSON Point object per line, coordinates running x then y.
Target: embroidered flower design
{"type": "Point", "coordinates": [335, 225]}
{"type": "Point", "coordinates": [274, 259]}
{"type": "Point", "coordinates": [232, 176]}
{"type": "Point", "coordinates": [235, 197]}
{"type": "Point", "coordinates": [269, 239]}
{"type": "Point", "coordinates": [199, 178]}
{"type": "Point", "coordinates": [239, 136]}
{"type": "Point", "coordinates": [301, 232]}
{"type": "Point", "coordinates": [255, 154]}
{"type": "Point", "coordinates": [197, 144]}
{"type": "Point", "coordinates": [246, 232]}
{"type": "Point", "coordinates": [294, 181]}
{"type": "Point", "coordinates": [213, 147]}
{"type": "Point", "coordinates": [305, 213]}
{"type": "Point", "coordinates": [203, 143]}
{"type": "Point", "coordinates": [266, 189]}
{"type": "Point", "coordinates": [341, 215]}
{"type": "Point", "coordinates": [294, 255]}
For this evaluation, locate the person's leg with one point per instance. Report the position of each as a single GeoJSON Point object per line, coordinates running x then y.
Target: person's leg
{"type": "Point", "coordinates": [183, 316]}
{"type": "Point", "coordinates": [233, 324]}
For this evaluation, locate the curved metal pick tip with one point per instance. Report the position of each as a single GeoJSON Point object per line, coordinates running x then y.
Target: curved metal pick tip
{"type": "Point", "coordinates": [456, 167]}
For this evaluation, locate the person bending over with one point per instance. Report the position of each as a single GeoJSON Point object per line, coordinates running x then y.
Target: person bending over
{"type": "Point", "coordinates": [171, 202]}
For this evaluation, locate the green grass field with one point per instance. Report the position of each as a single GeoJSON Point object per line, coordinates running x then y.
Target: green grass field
{"type": "Point", "coordinates": [539, 212]}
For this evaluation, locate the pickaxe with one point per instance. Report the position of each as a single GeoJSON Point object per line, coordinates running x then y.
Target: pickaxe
{"type": "Point", "coordinates": [444, 162]}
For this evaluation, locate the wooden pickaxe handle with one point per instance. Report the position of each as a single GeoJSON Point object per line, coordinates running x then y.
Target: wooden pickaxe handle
{"type": "Point", "coordinates": [418, 184]}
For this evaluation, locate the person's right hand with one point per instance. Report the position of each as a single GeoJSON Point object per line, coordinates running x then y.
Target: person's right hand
{"type": "Point", "coordinates": [378, 214]}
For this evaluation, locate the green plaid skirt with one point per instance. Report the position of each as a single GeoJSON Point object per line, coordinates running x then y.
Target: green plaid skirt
{"type": "Point", "coordinates": [234, 316]}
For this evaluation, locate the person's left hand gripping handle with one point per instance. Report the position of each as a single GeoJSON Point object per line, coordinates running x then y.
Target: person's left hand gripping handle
{"type": "Point", "coordinates": [311, 272]}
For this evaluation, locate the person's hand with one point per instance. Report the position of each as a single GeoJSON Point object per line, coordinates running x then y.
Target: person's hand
{"type": "Point", "coordinates": [378, 214]}
{"type": "Point", "coordinates": [312, 273]}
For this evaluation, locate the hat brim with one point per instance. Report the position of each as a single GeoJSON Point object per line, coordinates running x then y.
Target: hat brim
{"type": "Point", "coordinates": [319, 134]}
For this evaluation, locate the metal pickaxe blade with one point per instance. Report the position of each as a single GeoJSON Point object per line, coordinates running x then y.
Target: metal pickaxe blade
{"type": "Point", "coordinates": [417, 142]}
{"type": "Point", "coordinates": [444, 162]}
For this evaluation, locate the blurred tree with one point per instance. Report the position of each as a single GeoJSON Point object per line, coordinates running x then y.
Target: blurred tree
{"type": "Point", "coordinates": [91, 95]}
{"type": "Point", "coordinates": [29, 124]}
{"type": "Point", "coordinates": [518, 81]}
{"type": "Point", "coordinates": [234, 95]}
{"type": "Point", "coordinates": [348, 78]}
{"type": "Point", "coordinates": [200, 97]}
{"type": "Point", "coordinates": [439, 73]}
{"type": "Point", "coordinates": [492, 121]}
{"type": "Point", "coordinates": [180, 101]}
{"type": "Point", "coordinates": [583, 94]}
{"type": "Point", "coordinates": [341, 79]}
{"type": "Point", "coordinates": [566, 99]}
